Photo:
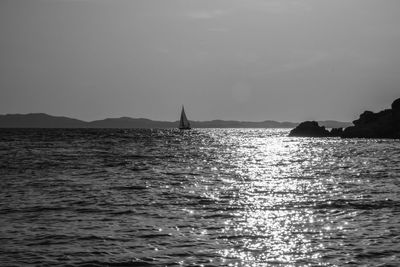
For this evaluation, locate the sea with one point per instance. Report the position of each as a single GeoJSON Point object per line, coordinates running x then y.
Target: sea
{"type": "Point", "coordinates": [204, 197]}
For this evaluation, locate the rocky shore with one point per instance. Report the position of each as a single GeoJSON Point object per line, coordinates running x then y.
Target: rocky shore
{"type": "Point", "coordinates": [384, 124]}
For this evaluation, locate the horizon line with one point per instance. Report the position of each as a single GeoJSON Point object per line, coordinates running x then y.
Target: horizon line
{"type": "Point", "coordinates": [156, 120]}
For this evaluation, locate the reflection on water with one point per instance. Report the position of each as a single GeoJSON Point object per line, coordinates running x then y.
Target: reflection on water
{"type": "Point", "coordinates": [214, 197]}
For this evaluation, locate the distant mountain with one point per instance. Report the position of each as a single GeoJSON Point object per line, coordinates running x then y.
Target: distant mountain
{"type": "Point", "coordinates": [125, 122]}
{"type": "Point", "coordinates": [41, 120]}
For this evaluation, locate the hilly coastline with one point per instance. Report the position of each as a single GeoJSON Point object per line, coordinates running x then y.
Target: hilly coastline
{"type": "Point", "coordinates": [42, 120]}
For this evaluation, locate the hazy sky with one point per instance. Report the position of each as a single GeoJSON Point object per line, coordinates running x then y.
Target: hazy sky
{"type": "Point", "coordinates": [286, 60]}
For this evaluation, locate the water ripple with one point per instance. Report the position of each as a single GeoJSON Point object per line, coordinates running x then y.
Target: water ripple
{"type": "Point", "coordinates": [209, 197]}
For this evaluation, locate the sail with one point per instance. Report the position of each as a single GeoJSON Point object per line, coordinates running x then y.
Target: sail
{"type": "Point", "coordinates": [184, 123]}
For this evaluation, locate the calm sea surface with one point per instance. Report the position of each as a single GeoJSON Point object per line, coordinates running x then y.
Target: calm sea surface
{"type": "Point", "coordinates": [206, 197]}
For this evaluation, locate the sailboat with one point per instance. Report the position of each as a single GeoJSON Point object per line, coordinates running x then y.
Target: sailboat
{"type": "Point", "coordinates": [184, 124]}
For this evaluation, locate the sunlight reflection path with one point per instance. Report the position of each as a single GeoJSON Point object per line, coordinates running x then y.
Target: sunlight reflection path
{"type": "Point", "coordinates": [277, 184]}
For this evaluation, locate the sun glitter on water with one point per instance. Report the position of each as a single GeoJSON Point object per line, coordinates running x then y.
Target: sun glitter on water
{"type": "Point", "coordinates": [268, 226]}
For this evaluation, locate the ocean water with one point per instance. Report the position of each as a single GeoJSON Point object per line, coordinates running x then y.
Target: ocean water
{"type": "Point", "coordinates": [205, 197]}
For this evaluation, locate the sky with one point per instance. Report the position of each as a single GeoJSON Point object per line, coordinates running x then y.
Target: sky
{"type": "Point", "coordinates": [254, 60]}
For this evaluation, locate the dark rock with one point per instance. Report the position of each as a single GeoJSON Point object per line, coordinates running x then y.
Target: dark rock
{"type": "Point", "coordinates": [396, 105]}
{"type": "Point", "coordinates": [336, 132]}
{"type": "Point", "coordinates": [365, 118]}
{"type": "Point", "coordinates": [384, 124]}
{"type": "Point", "coordinates": [309, 129]}
{"type": "Point", "coordinates": [396, 109]}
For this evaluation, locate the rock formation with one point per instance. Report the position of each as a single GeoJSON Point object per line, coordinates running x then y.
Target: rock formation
{"type": "Point", "coordinates": [336, 132]}
{"type": "Point", "coordinates": [309, 129]}
{"type": "Point", "coordinates": [384, 124]}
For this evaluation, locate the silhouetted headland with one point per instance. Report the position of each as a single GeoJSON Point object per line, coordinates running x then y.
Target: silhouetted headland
{"type": "Point", "coordinates": [309, 129]}
{"type": "Point", "coordinates": [41, 120]}
{"type": "Point", "coordinates": [384, 124]}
